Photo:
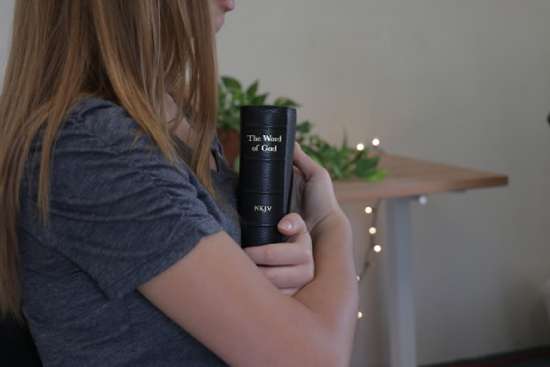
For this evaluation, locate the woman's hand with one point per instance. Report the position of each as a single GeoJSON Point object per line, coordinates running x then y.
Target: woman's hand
{"type": "Point", "coordinates": [288, 265]}
{"type": "Point", "coordinates": [313, 193]}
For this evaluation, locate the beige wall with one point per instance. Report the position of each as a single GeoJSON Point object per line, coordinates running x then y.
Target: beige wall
{"type": "Point", "coordinates": [464, 82]}
{"type": "Point", "coordinates": [6, 10]}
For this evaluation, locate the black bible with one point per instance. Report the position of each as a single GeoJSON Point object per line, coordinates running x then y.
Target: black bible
{"type": "Point", "coordinates": [265, 172]}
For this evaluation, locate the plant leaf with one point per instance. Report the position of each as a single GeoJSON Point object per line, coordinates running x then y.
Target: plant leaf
{"type": "Point", "coordinates": [303, 127]}
{"type": "Point", "coordinates": [252, 89]}
{"type": "Point", "coordinates": [259, 100]}
{"type": "Point", "coordinates": [377, 175]}
{"type": "Point", "coordinates": [285, 102]}
{"type": "Point", "coordinates": [231, 83]}
{"type": "Point", "coordinates": [365, 167]}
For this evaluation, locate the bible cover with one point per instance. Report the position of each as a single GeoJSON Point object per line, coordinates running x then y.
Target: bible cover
{"type": "Point", "coordinates": [265, 172]}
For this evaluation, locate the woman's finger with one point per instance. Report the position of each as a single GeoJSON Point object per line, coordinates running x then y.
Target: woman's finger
{"type": "Point", "coordinates": [279, 254]}
{"type": "Point", "coordinates": [288, 276]}
{"type": "Point", "coordinates": [296, 196]}
{"type": "Point", "coordinates": [305, 163]}
{"type": "Point", "coordinates": [297, 224]}
{"type": "Point", "coordinates": [289, 291]}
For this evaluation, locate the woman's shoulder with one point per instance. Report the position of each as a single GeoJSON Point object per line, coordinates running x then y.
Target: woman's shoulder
{"type": "Point", "coordinates": [91, 103]}
{"type": "Point", "coordinates": [101, 119]}
{"type": "Point", "coordinates": [98, 141]}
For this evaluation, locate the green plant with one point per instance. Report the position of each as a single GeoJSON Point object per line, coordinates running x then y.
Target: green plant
{"type": "Point", "coordinates": [232, 96]}
{"type": "Point", "coordinates": [342, 162]}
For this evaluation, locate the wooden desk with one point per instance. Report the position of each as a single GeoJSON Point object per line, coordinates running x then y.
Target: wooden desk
{"type": "Point", "coordinates": [407, 179]}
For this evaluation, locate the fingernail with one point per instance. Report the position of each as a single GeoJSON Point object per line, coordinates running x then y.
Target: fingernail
{"type": "Point", "coordinates": [286, 224]}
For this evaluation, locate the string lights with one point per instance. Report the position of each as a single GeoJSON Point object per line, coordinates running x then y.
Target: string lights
{"type": "Point", "coordinates": [373, 246]}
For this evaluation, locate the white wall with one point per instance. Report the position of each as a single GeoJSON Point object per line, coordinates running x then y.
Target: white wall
{"type": "Point", "coordinates": [464, 82]}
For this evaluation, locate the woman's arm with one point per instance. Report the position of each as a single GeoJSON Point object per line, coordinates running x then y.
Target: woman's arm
{"type": "Point", "coordinates": [333, 294]}
{"type": "Point", "coordinates": [218, 295]}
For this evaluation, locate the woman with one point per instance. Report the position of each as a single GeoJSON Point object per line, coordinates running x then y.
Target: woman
{"type": "Point", "coordinates": [124, 247]}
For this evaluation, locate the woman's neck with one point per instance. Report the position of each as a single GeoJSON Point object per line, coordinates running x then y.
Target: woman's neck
{"type": "Point", "coordinates": [183, 130]}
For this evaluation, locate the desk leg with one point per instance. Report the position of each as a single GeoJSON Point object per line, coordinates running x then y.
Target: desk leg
{"type": "Point", "coordinates": [398, 291]}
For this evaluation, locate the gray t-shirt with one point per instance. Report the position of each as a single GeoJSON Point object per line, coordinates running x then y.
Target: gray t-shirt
{"type": "Point", "coordinates": [119, 215]}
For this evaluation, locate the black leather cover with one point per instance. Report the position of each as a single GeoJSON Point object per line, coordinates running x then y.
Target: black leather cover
{"type": "Point", "coordinates": [265, 172]}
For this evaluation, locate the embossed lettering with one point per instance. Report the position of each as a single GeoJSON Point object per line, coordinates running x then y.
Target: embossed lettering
{"type": "Point", "coordinates": [262, 208]}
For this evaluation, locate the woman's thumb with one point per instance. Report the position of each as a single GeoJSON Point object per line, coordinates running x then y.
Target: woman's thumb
{"type": "Point", "coordinates": [304, 162]}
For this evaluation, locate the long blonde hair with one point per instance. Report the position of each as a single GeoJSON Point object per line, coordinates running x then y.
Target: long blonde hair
{"type": "Point", "coordinates": [130, 52]}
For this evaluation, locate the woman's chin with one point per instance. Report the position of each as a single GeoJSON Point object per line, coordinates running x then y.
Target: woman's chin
{"type": "Point", "coordinates": [219, 22]}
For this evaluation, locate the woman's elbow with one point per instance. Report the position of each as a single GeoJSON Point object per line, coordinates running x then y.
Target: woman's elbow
{"type": "Point", "coordinates": [329, 356]}
{"type": "Point", "coordinates": [326, 349]}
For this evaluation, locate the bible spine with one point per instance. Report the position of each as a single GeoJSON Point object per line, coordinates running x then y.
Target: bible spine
{"type": "Point", "coordinates": [265, 171]}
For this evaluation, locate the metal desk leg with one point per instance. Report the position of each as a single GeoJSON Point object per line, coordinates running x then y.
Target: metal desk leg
{"type": "Point", "coordinates": [399, 298]}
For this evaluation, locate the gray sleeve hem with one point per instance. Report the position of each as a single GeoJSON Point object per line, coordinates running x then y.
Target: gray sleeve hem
{"type": "Point", "coordinates": [141, 273]}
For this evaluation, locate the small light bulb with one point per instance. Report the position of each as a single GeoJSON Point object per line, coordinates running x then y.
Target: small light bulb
{"type": "Point", "coordinates": [368, 209]}
{"type": "Point", "coordinates": [375, 142]}
{"type": "Point", "coordinates": [360, 146]}
{"type": "Point", "coordinates": [359, 315]}
{"type": "Point", "coordinates": [372, 230]}
{"type": "Point", "coordinates": [422, 200]}
{"type": "Point", "coordinates": [377, 248]}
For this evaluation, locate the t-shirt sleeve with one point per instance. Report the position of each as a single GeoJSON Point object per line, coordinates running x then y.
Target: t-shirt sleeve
{"type": "Point", "coordinates": [121, 211]}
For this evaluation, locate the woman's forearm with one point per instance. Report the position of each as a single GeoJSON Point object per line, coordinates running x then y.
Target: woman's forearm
{"type": "Point", "coordinates": [333, 294]}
